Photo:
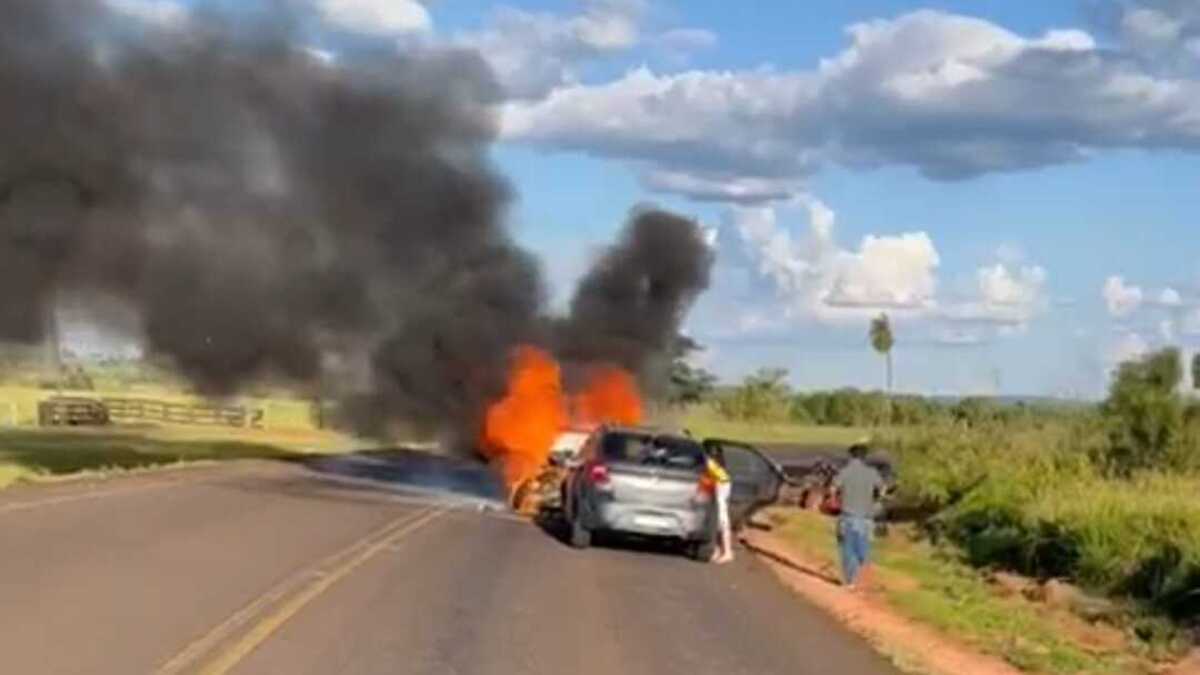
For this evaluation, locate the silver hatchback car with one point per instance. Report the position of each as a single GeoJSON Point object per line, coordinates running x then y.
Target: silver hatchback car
{"type": "Point", "coordinates": [642, 482]}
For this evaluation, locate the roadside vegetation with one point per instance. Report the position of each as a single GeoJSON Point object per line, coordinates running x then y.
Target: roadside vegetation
{"type": "Point", "coordinates": [1105, 497]}
{"type": "Point", "coordinates": [930, 584]}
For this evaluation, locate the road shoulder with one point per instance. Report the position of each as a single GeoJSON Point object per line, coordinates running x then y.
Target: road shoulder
{"type": "Point", "coordinates": [911, 646]}
{"type": "Point", "coordinates": [930, 612]}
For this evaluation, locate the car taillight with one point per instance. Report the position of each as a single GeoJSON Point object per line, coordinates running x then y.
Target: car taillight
{"type": "Point", "coordinates": [706, 489]}
{"type": "Point", "coordinates": [598, 474]}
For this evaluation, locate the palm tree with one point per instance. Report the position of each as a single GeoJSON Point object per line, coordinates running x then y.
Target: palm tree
{"type": "Point", "coordinates": [882, 341]}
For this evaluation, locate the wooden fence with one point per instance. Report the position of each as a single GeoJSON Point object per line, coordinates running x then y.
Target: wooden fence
{"type": "Point", "coordinates": [61, 411]}
{"type": "Point", "coordinates": [205, 414]}
{"type": "Point", "coordinates": [64, 411]}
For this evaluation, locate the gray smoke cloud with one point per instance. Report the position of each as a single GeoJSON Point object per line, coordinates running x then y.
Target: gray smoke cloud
{"type": "Point", "coordinates": [265, 212]}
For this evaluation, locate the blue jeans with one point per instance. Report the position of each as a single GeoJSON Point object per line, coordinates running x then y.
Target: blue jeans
{"type": "Point", "coordinates": [854, 544]}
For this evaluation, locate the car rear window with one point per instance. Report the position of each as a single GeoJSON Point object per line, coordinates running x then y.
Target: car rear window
{"type": "Point", "coordinates": [680, 453]}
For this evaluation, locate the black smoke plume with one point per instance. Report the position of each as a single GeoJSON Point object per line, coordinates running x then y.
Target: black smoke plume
{"type": "Point", "coordinates": [628, 309]}
{"type": "Point", "coordinates": [264, 211]}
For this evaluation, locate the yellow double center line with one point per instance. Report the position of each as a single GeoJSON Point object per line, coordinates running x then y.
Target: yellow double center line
{"type": "Point", "coordinates": [294, 595]}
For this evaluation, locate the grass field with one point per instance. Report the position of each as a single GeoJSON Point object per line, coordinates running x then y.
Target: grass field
{"type": "Point", "coordinates": [931, 586]}
{"type": "Point", "coordinates": [19, 404]}
{"type": "Point", "coordinates": [33, 455]}
{"type": "Point", "coordinates": [704, 423]}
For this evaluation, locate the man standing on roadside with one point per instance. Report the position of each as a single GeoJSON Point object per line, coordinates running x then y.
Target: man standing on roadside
{"type": "Point", "coordinates": [859, 487]}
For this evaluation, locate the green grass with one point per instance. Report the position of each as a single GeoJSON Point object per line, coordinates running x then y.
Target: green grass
{"type": "Point", "coordinates": [19, 404]}
{"type": "Point", "coordinates": [931, 586]}
{"type": "Point", "coordinates": [38, 455]}
{"type": "Point", "coordinates": [704, 423]}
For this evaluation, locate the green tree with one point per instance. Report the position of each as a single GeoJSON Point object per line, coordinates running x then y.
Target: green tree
{"type": "Point", "coordinates": [1196, 371]}
{"type": "Point", "coordinates": [685, 383]}
{"type": "Point", "coordinates": [882, 342]}
{"type": "Point", "coordinates": [690, 384]}
{"type": "Point", "coordinates": [764, 395]}
{"type": "Point", "coordinates": [1144, 412]}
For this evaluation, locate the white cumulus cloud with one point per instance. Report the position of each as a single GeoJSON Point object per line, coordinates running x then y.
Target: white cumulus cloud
{"type": "Point", "coordinates": [535, 52]}
{"type": "Point", "coordinates": [1004, 294]}
{"type": "Point", "coordinates": [1169, 297]}
{"type": "Point", "coordinates": [816, 277]}
{"type": "Point", "coordinates": [1165, 31]}
{"type": "Point", "coordinates": [1121, 299]}
{"type": "Point", "coordinates": [157, 12]}
{"type": "Point", "coordinates": [950, 95]}
{"type": "Point", "coordinates": [377, 17]}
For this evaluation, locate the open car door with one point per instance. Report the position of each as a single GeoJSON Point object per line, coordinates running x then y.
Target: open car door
{"type": "Point", "coordinates": [756, 478]}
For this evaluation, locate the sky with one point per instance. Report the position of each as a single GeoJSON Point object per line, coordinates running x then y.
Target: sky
{"type": "Point", "coordinates": [1013, 183]}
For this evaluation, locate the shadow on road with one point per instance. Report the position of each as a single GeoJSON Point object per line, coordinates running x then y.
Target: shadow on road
{"type": "Point", "coordinates": [792, 564]}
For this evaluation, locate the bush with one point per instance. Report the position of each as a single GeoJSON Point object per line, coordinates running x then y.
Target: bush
{"type": "Point", "coordinates": [1148, 425]}
{"type": "Point", "coordinates": [1025, 496]}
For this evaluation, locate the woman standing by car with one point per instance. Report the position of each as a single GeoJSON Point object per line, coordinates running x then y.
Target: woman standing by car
{"type": "Point", "coordinates": [722, 487]}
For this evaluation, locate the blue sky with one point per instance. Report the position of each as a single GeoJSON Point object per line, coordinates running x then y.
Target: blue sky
{"type": "Point", "coordinates": [1014, 182]}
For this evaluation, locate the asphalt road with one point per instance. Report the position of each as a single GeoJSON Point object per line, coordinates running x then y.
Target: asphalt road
{"type": "Point", "coordinates": [278, 568]}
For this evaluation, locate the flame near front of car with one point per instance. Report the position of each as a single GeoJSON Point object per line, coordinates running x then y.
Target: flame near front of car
{"type": "Point", "coordinates": [520, 428]}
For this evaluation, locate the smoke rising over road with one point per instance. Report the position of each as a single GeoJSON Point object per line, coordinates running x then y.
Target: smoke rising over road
{"type": "Point", "coordinates": [629, 306]}
{"type": "Point", "coordinates": [265, 211]}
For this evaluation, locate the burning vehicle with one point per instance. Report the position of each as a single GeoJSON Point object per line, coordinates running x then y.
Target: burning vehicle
{"type": "Point", "coordinates": [543, 491]}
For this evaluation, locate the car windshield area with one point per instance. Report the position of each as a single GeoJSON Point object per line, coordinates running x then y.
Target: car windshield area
{"type": "Point", "coordinates": [648, 449]}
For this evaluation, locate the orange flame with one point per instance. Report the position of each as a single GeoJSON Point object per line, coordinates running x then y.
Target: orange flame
{"type": "Point", "coordinates": [610, 396]}
{"type": "Point", "coordinates": [519, 429]}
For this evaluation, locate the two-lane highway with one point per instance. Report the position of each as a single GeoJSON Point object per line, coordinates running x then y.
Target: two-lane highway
{"type": "Point", "coordinates": [277, 568]}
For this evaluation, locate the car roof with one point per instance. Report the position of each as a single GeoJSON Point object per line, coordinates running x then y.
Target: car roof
{"type": "Point", "coordinates": [645, 431]}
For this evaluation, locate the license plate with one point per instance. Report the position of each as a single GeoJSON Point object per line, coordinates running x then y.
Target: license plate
{"type": "Point", "coordinates": [653, 522]}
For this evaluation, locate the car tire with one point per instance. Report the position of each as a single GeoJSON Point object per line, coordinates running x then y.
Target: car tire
{"type": "Point", "coordinates": [702, 551]}
{"type": "Point", "coordinates": [581, 537]}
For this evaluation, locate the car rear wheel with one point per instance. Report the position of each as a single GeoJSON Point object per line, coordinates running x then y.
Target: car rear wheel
{"type": "Point", "coordinates": [581, 537]}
